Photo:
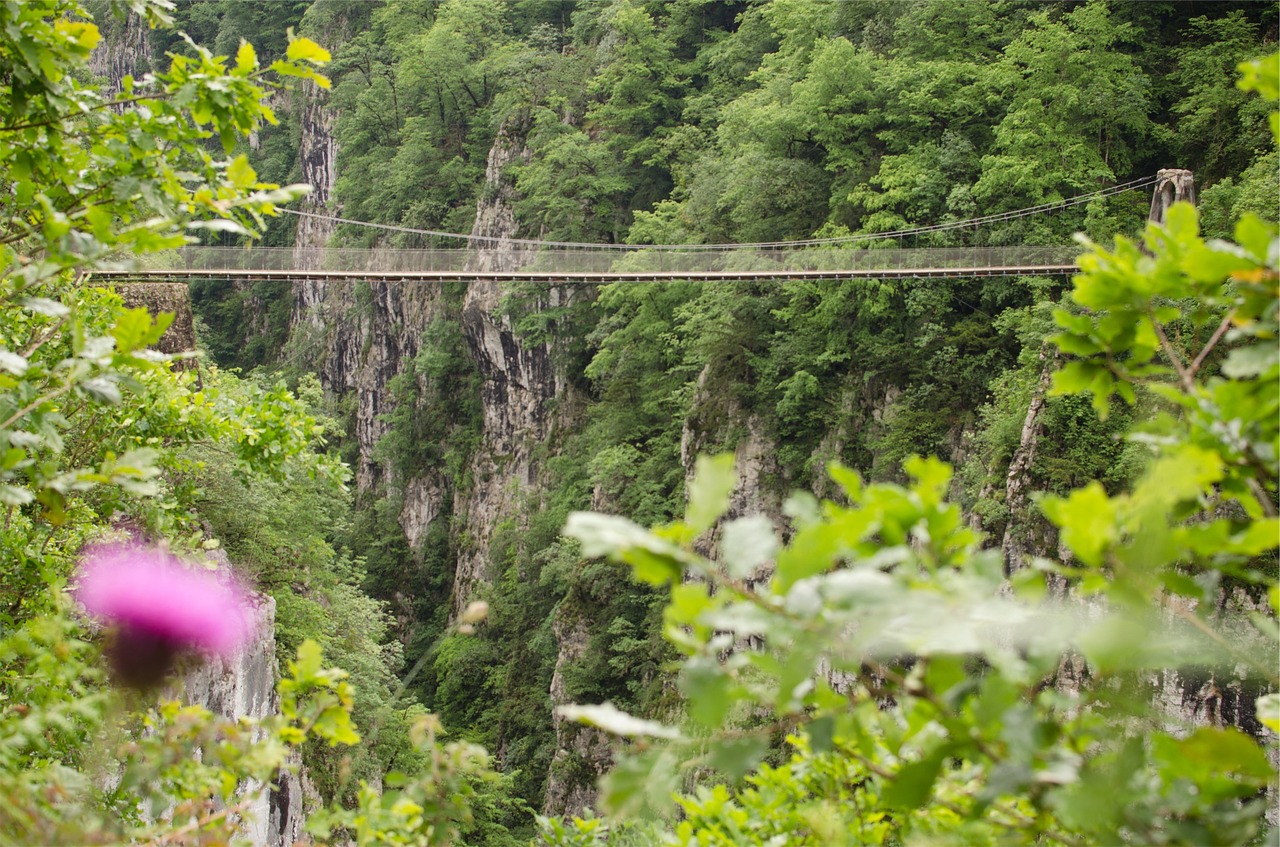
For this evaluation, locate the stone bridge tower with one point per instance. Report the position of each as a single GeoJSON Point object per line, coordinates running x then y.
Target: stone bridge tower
{"type": "Point", "coordinates": [1172, 185]}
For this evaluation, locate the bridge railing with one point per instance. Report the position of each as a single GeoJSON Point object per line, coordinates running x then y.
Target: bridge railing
{"type": "Point", "coordinates": [391, 260]}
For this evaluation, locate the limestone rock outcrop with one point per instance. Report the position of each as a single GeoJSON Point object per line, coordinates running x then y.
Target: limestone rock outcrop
{"type": "Point", "coordinates": [125, 50]}
{"type": "Point", "coordinates": [244, 686]}
{"type": "Point", "coordinates": [583, 753]}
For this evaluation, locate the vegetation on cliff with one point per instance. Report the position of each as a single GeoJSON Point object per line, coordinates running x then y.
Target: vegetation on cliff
{"type": "Point", "coordinates": [709, 122]}
{"type": "Point", "coordinates": [757, 663]}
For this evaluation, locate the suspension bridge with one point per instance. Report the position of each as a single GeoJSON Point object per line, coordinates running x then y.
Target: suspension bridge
{"type": "Point", "coordinates": [883, 255]}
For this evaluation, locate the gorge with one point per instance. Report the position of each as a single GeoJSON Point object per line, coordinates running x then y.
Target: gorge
{"type": "Point", "coordinates": [476, 416]}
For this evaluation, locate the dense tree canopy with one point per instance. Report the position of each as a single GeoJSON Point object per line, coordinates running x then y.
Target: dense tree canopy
{"type": "Point", "coordinates": [696, 121]}
{"type": "Point", "coordinates": [829, 674]}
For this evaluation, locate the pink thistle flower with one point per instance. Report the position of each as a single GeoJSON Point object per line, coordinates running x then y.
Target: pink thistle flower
{"type": "Point", "coordinates": [160, 608]}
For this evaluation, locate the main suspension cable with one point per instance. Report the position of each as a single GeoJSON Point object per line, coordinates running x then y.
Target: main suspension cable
{"type": "Point", "coordinates": [835, 241]}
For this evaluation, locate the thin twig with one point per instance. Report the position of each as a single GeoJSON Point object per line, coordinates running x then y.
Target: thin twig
{"type": "Point", "coordinates": [45, 544]}
{"type": "Point", "coordinates": [1193, 619]}
{"type": "Point", "coordinates": [1175, 358]}
{"type": "Point", "coordinates": [70, 117]}
{"type": "Point", "coordinates": [1213, 342]}
{"type": "Point", "coordinates": [197, 824]}
{"type": "Point", "coordinates": [35, 404]}
{"type": "Point", "coordinates": [1260, 492]}
{"type": "Point", "coordinates": [41, 340]}
{"type": "Point", "coordinates": [1018, 819]}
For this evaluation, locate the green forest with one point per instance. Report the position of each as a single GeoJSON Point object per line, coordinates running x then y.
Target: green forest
{"type": "Point", "coordinates": [900, 560]}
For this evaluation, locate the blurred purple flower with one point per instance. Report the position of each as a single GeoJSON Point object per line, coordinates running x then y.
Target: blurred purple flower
{"type": "Point", "coordinates": [160, 608]}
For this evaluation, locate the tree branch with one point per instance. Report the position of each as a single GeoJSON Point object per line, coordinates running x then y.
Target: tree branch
{"type": "Point", "coordinates": [1213, 342]}
{"type": "Point", "coordinates": [1175, 358]}
{"type": "Point", "coordinates": [1217, 638]}
{"type": "Point", "coordinates": [70, 117]}
{"type": "Point", "coordinates": [35, 404]}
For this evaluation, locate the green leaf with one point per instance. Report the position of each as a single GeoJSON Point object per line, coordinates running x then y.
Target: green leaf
{"type": "Point", "coordinates": [241, 173]}
{"type": "Point", "coordinates": [142, 461]}
{"type": "Point", "coordinates": [1255, 235]}
{"type": "Point", "coordinates": [306, 668]}
{"type": "Point", "coordinates": [1182, 221]}
{"type": "Point", "coordinates": [614, 721]}
{"type": "Point", "coordinates": [1075, 377]}
{"type": "Point", "coordinates": [285, 69]}
{"type": "Point", "coordinates": [84, 34]}
{"type": "Point", "coordinates": [1185, 473]}
{"type": "Point", "coordinates": [653, 568]}
{"type": "Point", "coordinates": [334, 725]}
{"type": "Point", "coordinates": [653, 559]}
{"type": "Point", "coordinates": [746, 544]}
{"type": "Point", "coordinates": [1228, 750]}
{"type": "Point", "coordinates": [102, 390]}
{"type": "Point", "coordinates": [246, 57]}
{"type": "Point", "coordinates": [819, 547]}
{"type": "Point", "coordinates": [1075, 345]}
{"type": "Point", "coordinates": [643, 783]}
{"type": "Point", "coordinates": [1179, 583]}
{"type": "Point", "coordinates": [1118, 643]}
{"type": "Point", "coordinates": [11, 495]}
{"type": "Point", "coordinates": [135, 329]}
{"type": "Point", "coordinates": [913, 785]}
{"type": "Point", "coordinates": [44, 306]}
{"type": "Point", "coordinates": [945, 673]}
{"type": "Point", "coordinates": [1214, 262]}
{"type": "Point", "coordinates": [1080, 376]}
{"type": "Point", "coordinates": [710, 692]}
{"type": "Point", "coordinates": [932, 476]}
{"type": "Point", "coordinates": [713, 483]}
{"type": "Point", "coordinates": [1087, 518]}
{"type": "Point", "coordinates": [1252, 361]}
{"type": "Point", "coordinates": [13, 363]}
{"type": "Point", "coordinates": [227, 135]}
{"type": "Point", "coordinates": [821, 733]}
{"type": "Point", "coordinates": [605, 535]}
{"type": "Point", "coordinates": [1261, 75]}
{"type": "Point", "coordinates": [736, 757]}
{"type": "Point", "coordinates": [220, 225]}
{"type": "Point", "coordinates": [55, 506]}
{"type": "Point", "coordinates": [1268, 710]}
{"type": "Point", "coordinates": [1261, 535]}
{"type": "Point", "coordinates": [308, 50]}
{"type": "Point", "coordinates": [848, 479]}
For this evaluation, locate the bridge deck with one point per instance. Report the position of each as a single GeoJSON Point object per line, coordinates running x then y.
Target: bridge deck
{"type": "Point", "coordinates": [587, 277]}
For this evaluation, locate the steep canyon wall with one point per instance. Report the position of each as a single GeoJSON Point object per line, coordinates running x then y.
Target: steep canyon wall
{"type": "Point", "coordinates": [362, 337]}
{"type": "Point", "coordinates": [244, 686]}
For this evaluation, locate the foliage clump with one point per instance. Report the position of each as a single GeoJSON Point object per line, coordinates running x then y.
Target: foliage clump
{"type": "Point", "coordinates": [925, 694]}
{"type": "Point", "coordinates": [101, 439]}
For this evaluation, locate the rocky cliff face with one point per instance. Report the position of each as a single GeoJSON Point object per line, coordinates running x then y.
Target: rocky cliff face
{"type": "Point", "coordinates": [245, 687]}
{"type": "Point", "coordinates": [317, 155]}
{"type": "Point", "coordinates": [583, 753]}
{"type": "Point", "coordinates": [360, 333]}
{"type": "Point", "coordinates": [373, 330]}
{"type": "Point", "coordinates": [125, 50]}
{"type": "Point", "coordinates": [519, 380]}
{"type": "Point", "coordinates": [376, 328]}
{"type": "Point", "coordinates": [318, 160]}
